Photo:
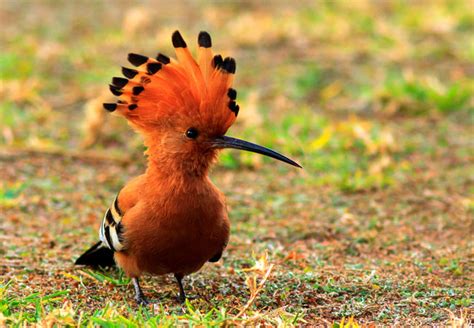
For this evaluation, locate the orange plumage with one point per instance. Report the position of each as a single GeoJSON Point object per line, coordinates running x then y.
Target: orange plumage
{"type": "Point", "coordinates": [180, 92]}
{"type": "Point", "coordinates": [172, 219]}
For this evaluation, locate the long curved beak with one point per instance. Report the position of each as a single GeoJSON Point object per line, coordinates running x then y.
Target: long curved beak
{"type": "Point", "coordinates": [229, 142]}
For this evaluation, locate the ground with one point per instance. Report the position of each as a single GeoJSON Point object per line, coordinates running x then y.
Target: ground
{"type": "Point", "coordinates": [374, 99]}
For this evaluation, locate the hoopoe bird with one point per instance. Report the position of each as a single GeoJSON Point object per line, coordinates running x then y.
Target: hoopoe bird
{"type": "Point", "coordinates": [172, 219]}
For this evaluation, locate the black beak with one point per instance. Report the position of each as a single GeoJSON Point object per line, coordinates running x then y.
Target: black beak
{"type": "Point", "coordinates": [229, 142]}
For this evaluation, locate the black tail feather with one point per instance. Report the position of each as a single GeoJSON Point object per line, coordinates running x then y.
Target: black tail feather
{"type": "Point", "coordinates": [97, 255]}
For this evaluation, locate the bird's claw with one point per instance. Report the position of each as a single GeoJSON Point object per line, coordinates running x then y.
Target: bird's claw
{"type": "Point", "coordinates": [141, 300]}
{"type": "Point", "coordinates": [181, 298]}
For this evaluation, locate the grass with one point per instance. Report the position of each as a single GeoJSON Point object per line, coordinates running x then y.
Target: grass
{"type": "Point", "coordinates": [373, 99]}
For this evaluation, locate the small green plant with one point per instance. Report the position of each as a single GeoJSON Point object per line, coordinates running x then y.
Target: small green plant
{"type": "Point", "coordinates": [415, 95]}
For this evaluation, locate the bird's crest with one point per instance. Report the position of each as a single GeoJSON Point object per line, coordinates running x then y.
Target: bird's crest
{"type": "Point", "coordinates": [162, 89]}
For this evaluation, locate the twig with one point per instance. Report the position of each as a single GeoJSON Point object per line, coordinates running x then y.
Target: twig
{"type": "Point", "coordinates": [254, 295]}
{"type": "Point", "coordinates": [6, 153]}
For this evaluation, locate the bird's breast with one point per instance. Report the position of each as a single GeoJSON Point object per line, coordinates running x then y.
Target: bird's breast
{"type": "Point", "coordinates": [179, 234]}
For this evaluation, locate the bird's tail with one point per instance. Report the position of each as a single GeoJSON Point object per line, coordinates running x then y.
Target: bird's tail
{"type": "Point", "coordinates": [97, 255]}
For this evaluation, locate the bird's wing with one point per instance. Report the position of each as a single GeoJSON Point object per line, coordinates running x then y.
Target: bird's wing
{"type": "Point", "coordinates": [111, 229]}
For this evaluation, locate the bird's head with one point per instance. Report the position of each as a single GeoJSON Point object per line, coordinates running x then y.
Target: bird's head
{"type": "Point", "coordinates": [183, 107]}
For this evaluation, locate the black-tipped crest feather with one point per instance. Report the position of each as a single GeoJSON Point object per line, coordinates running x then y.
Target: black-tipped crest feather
{"type": "Point", "coordinates": [137, 90]}
{"type": "Point", "coordinates": [128, 72]}
{"type": "Point", "coordinates": [115, 91]}
{"type": "Point", "coordinates": [178, 41]}
{"type": "Point", "coordinates": [110, 107]}
{"type": "Point", "coordinates": [229, 65]}
{"type": "Point", "coordinates": [234, 107]}
{"type": "Point", "coordinates": [232, 94]}
{"type": "Point", "coordinates": [217, 61]}
{"type": "Point", "coordinates": [119, 82]}
{"type": "Point", "coordinates": [204, 40]}
{"type": "Point", "coordinates": [152, 68]}
{"type": "Point", "coordinates": [163, 59]}
{"type": "Point", "coordinates": [136, 59]}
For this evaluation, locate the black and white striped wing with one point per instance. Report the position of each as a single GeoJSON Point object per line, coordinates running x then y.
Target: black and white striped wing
{"type": "Point", "coordinates": [111, 229]}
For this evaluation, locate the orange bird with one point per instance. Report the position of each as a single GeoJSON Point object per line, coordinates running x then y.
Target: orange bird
{"type": "Point", "coordinates": [172, 219]}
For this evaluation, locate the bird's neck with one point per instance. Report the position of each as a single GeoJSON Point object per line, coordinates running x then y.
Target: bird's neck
{"type": "Point", "coordinates": [160, 177]}
{"type": "Point", "coordinates": [173, 170]}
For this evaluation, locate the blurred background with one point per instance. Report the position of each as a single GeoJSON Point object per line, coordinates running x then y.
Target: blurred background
{"type": "Point", "coordinates": [373, 98]}
{"type": "Point", "coordinates": [348, 89]}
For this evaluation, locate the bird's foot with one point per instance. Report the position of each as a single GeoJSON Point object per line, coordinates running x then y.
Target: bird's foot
{"type": "Point", "coordinates": [181, 298]}
{"type": "Point", "coordinates": [141, 300]}
{"type": "Point", "coordinates": [139, 296]}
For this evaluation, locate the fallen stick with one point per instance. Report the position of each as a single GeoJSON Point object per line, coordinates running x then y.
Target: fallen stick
{"type": "Point", "coordinates": [8, 153]}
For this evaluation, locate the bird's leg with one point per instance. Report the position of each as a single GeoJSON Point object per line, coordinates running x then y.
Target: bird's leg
{"type": "Point", "coordinates": [139, 296]}
{"type": "Point", "coordinates": [182, 294]}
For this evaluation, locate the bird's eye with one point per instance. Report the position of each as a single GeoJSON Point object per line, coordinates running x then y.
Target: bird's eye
{"type": "Point", "coordinates": [192, 133]}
